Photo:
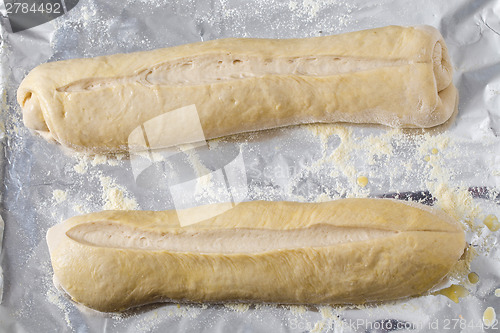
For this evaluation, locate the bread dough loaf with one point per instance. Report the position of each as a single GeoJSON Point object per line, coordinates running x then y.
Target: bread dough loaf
{"type": "Point", "coordinates": [344, 251]}
{"type": "Point", "coordinates": [395, 76]}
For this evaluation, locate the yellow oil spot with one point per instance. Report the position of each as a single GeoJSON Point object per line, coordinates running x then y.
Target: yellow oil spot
{"type": "Point", "coordinates": [497, 292]}
{"type": "Point", "coordinates": [491, 221]}
{"type": "Point", "coordinates": [434, 151]}
{"type": "Point", "coordinates": [473, 278]}
{"type": "Point", "coordinates": [489, 316]}
{"type": "Point", "coordinates": [362, 181]}
{"type": "Point", "coordinates": [453, 292]}
{"type": "Point", "coordinates": [427, 158]}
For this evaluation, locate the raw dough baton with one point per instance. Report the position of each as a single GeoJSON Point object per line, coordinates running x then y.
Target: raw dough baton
{"type": "Point", "coordinates": [395, 76]}
{"type": "Point", "coordinates": [344, 251]}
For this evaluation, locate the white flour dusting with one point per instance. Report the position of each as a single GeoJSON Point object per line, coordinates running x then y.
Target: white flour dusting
{"type": "Point", "coordinates": [115, 196]}
{"type": "Point", "coordinates": [59, 195]}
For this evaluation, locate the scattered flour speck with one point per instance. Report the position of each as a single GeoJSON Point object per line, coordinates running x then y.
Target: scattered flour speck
{"type": "Point", "coordinates": [238, 307]}
{"type": "Point", "coordinates": [59, 195]}
{"type": "Point", "coordinates": [115, 196]}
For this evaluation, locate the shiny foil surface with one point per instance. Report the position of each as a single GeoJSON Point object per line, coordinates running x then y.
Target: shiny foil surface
{"type": "Point", "coordinates": [456, 168]}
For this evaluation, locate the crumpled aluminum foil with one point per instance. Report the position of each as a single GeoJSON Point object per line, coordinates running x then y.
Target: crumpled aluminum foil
{"type": "Point", "coordinates": [43, 184]}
